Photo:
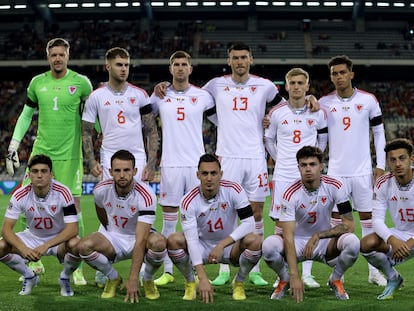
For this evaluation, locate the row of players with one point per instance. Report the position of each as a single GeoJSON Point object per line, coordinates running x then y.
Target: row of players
{"type": "Point", "coordinates": [236, 103]}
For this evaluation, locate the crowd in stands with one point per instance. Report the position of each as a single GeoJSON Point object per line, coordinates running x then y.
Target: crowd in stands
{"type": "Point", "coordinates": [396, 98]}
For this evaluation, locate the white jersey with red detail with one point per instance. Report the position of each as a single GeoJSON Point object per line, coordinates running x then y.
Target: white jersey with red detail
{"type": "Point", "coordinates": [181, 114]}
{"type": "Point", "coordinates": [240, 110]}
{"type": "Point", "coordinates": [349, 132]}
{"type": "Point", "coordinates": [120, 119]}
{"type": "Point", "coordinates": [124, 212]}
{"type": "Point", "coordinates": [398, 200]}
{"type": "Point", "coordinates": [292, 130]}
{"type": "Point", "coordinates": [48, 216]}
{"type": "Point", "coordinates": [312, 210]}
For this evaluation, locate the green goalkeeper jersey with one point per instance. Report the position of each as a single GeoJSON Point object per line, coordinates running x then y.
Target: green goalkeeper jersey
{"type": "Point", "coordinates": [60, 104]}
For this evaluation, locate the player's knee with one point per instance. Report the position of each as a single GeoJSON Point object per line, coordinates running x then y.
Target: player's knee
{"type": "Point", "coordinates": [176, 241]}
{"type": "Point", "coordinates": [369, 243]}
{"type": "Point", "coordinates": [252, 241]}
{"type": "Point", "coordinates": [272, 245]}
{"type": "Point", "coordinates": [157, 242]}
{"type": "Point", "coordinates": [349, 242]}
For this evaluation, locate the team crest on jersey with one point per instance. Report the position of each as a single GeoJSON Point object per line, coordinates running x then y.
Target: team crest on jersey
{"type": "Point", "coordinates": [132, 100]}
{"type": "Point", "coordinates": [53, 209]}
{"type": "Point", "coordinates": [359, 107]}
{"type": "Point", "coordinates": [193, 100]}
{"type": "Point", "coordinates": [163, 194]}
{"type": "Point", "coordinates": [324, 200]}
{"type": "Point", "coordinates": [310, 122]}
{"type": "Point", "coordinates": [223, 206]}
{"type": "Point", "coordinates": [72, 89]}
{"type": "Point", "coordinates": [253, 89]}
{"type": "Point", "coordinates": [133, 210]}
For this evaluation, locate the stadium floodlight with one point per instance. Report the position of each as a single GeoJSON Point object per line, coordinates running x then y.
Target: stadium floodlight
{"type": "Point", "coordinates": [20, 6]}
{"type": "Point", "coordinates": [71, 5]}
{"type": "Point", "coordinates": [347, 3]}
{"type": "Point", "coordinates": [174, 3]}
{"type": "Point", "coordinates": [121, 4]}
{"type": "Point", "coordinates": [243, 3]}
{"type": "Point", "coordinates": [330, 3]}
{"type": "Point", "coordinates": [296, 3]}
{"type": "Point", "coordinates": [208, 3]}
{"type": "Point", "coordinates": [313, 3]}
{"type": "Point", "coordinates": [262, 3]}
{"type": "Point", "coordinates": [279, 3]}
{"type": "Point", "coordinates": [55, 5]}
{"type": "Point", "coordinates": [5, 7]}
{"type": "Point", "coordinates": [191, 3]}
{"type": "Point", "coordinates": [226, 3]}
{"type": "Point", "coordinates": [157, 3]}
{"type": "Point", "coordinates": [135, 4]}
{"type": "Point", "coordinates": [104, 4]}
{"type": "Point", "coordinates": [399, 4]}
{"type": "Point", "coordinates": [383, 4]}
{"type": "Point", "coordinates": [369, 4]}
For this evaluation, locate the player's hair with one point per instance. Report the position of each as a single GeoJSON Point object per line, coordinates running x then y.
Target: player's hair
{"type": "Point", "coordinates": [297, 72]}
{"type": "Point", "coordinates": [239, 46]}
{"type": "Point", "coordinates": [180, 54]}
{"type": "Point", "coordinates": [40, 159]}
{"type": "Point", "coordinates": [209, 158]}
{"type": "Point", "coordinates": [308, 152]}
{"type": "Point", "coordinates": [399, 143]}
{"type": "Point", "coordinates": [57, 42]}
{"type": "Point", "coordinates": [124, 155]}
{"type": "Point", "coordinates": [116, 51]}
{"type": "Point", "coordinates": [341, 60]}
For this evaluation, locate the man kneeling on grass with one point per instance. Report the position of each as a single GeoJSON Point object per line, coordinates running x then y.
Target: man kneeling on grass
{"type": "Point", "coordinates": [307, 232]}
{"type": "Point", "coordinates": [211, 234]}
{"type": "Point", "coordinates": [126, 210]}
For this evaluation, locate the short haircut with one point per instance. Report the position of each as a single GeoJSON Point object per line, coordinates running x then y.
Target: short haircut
{"type": "Point", "coordinates": [209, 158]}
{"type": "Point", "coordinates": [180, 54]}
{"type": "Point", "coordinates": [57, 42]}
{"type": "Point", "coordinates": [296, 72]}
{"type": "Point", "coordinates": [124, 155]}
{"type": "Point", "coordinates": [116, 51]}
{"type": "Point", "coordinates": [239, 46]}
{"type": "Point", "coordinates": [40, 159]}
{"type": "Point", "coordinates": [308, 152]}
{"type": "Point", "coordinates": [399, 143]}
{"type": "Point", "coordinates": [341, 60]}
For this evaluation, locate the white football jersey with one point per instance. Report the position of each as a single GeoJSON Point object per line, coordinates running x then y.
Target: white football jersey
{"type": "Point", "coordinates": [46, 217]}
{"type": "Point", "coordinates": [181, 114]}
{"type": "Point", "coordinates": [399, 201]}
{"type": "Point", "coordinates": [240, 109]}
{"type": "Point", "coordinates": [124, 212]}
{"type": "Point", "coordinates": [120, 119]}
{"type": "Point", "coordinates": [349, 132]}
{"type": "Point", "coordinates": [292, 130]}
{"type": "Point", "coordinates": [312, 211]}
{"type": "Point", "coordinates": [215, 218]}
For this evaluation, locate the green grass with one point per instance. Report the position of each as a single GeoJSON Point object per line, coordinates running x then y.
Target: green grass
{"type": "Point", "coordinates": [47, 294]}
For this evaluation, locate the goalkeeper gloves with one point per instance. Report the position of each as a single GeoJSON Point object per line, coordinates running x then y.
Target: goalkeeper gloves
{"type": "Point", "coordinates": [12, 159]}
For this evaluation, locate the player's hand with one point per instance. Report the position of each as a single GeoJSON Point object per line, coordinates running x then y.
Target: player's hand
{"type": "Point", "coordinates": [12, 159]}
{"type": "Point", "coordinates": [377, 173]}
{"type": "Point", "coordinates": [310, 246]}
{"type": "Point", "coordinates": [215, 254]}
{"type": "Point", "coordinates": [206, 291]}
{"type": "Point", "coordinates": [161, 89]}
{"type": "Point", "coordinates": [266, 121]}
{"type": "Point", "coordinates": [148, 173]}
{"type": "Point", "coordinates": [296, 288]}
{"type": "Point", "coordinates": [96, 169]}
{"type": "Point", "coordinates": [132, 291]}
{"type": "Point", "coordinates": [312, 103]}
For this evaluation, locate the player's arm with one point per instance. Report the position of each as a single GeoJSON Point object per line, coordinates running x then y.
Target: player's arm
{"type": "Point", "coordinates": [378, 131]}
{"type": "Point", "coordinates": [88, 149]}
{"type": "Point", "coordinates": [102, 215]}
{"type": "Point", "coordinates": [151, 138]}
{"type": "Point", "coordinates": [296, 284]}
{"type": "Point", "coordinates": [142, 232]}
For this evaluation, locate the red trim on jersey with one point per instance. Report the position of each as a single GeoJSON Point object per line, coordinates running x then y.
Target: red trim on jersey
{"type": "Point", "coordinates": [189, 197]}
{"type": "Point", "coordinates": [22, 192]}
{"type": "Point", "coordinates": [287, 195]}
{"type": "Point", "coordinates": [104, 183]}
{"type": "Point", "coordinates": [64, 191]}
{"type": "Point", "coordinates": [145, 194]}
{"type": "Point", "coordinates": [138, 88]}
{"type": "Point", "coordinates": [331, 181]}
{"type": "Point", "coordinates": [383, 179]}
{"type": "Point", "coordinates": [278, 106]}
{"type": "Point", "coordinates": [231, 184]}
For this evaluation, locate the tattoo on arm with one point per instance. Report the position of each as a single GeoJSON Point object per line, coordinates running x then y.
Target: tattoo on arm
{"type": "Point", "coordinates": [150, 138]}
{"type": "Point", "coordinates": [87, 132]}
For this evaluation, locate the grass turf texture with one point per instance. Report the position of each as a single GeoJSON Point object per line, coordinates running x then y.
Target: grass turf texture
{"type": "Point", "coordinates": [47, 294]}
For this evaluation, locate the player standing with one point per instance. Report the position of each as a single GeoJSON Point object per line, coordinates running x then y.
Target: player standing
{"type": "Point", "coordinates": [181, 112]}
{"type": "Point", "coordinates": [351, 114]}
{"type": "Point", "coordinates": [58, 95]}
